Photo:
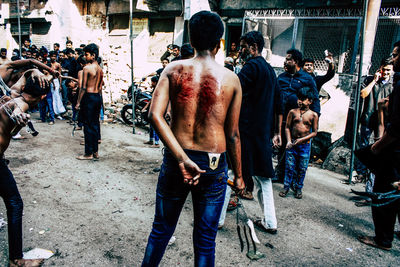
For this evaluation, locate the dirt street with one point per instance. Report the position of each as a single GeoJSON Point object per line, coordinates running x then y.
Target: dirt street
{"type": "Point", "coordinates": [100, 213]}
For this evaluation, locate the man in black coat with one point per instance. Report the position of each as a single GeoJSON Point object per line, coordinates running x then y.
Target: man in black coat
{"type": "Point", "coordinates": [260, 103]}
{"type": "Point", "coordinates": [388, 149]}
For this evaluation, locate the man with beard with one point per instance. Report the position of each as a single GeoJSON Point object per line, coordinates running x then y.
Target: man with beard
{"type": "Point", "coordinates": [3, 56]}
{"type": "Point", "coordinates": [388, 171]}
{"type": "Point", "coordinates": [260, 105]}
{"type": "Point", "coordinates": [290, 82]}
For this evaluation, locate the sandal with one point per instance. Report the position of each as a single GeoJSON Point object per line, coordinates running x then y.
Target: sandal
{"type": "Point", "coordinates": [298, 194]}
{"type": "Point", "coordinates": [284, 193]}
{"type": "Point", "coordinates": [370, 241]}
{"type": "Point", "coordinates": [233, 203]}
{"type": "Point", "coordinates": [246, 195]}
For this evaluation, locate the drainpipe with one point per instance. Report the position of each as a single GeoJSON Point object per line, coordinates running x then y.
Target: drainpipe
{"type": "Point", "coordinates": [370, 21]}
{"type": "Point", "coordinates": [374, 6]}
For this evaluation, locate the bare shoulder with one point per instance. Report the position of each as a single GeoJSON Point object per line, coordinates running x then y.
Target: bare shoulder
{"type": "Point", "coordinates": [177, 66]}
{"type": "Point", "coordinates": [314, 114]}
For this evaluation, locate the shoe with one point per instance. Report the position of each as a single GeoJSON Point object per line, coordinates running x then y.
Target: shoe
{"type": "Point", "coordinates": [370, 241]}
{"type": "Point", "coordinates": [156, 145]}
{"type": "Point", "coordinates": [51, 123]}
{"type": "Point", "coordinates": [96, 156]}
{"type": "Point", "coordinates": [149, 143]}
{"type": "Point", "coordinates": [298, 194]}
{"type": "Point", "coordinates": [60, 118]}
{"type": "Point", "coordinates": [82, 143]}
{"type": "Point", "coordinates": [258, 223]}
{"type": "Point", "coordinates": [284, 193]}
{"type": "Point", "coordinates": [244, 194]}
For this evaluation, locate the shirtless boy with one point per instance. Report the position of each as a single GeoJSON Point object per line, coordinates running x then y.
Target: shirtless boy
{"type": "Point", "coordinates": [301, 126]}
{"type": "Point", "coordinates": [90, 97]}
{"type": "Point", "coordinates": [205, 105]}
{"type": "Point", "coordinates": [13, 117]}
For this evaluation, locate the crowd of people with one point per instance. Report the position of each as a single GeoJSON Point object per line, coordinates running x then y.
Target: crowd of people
{"type": "Point", "coordinates": [68, 88]}
{"type": "Point", "coordinates": [50, 81]}
{"type": "Point", "coordinates": [276, 112]}
{"type": "Point", "coordinates": [210, 118]}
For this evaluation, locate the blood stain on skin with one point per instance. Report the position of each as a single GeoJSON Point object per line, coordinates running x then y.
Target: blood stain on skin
{"type": "Point", "coordinates": [186, 93]}
{"type": "Point", "coordinates": [207, 96]}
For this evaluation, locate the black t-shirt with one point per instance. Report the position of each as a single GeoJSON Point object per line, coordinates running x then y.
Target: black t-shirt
{"type": "Point", "coordinates": [159, 71]}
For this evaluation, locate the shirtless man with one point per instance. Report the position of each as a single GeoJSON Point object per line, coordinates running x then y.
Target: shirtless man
{"type": "Point", "coordinates": [205, 105]}
{"type": "Point", "coordinates": [13, 117]}
{"type": "Point", "coordinates": [90, 97]}
{"type": "Point", "coordinates": [301, 126]}
{"type": "Point", "coordinates": [13, 70]}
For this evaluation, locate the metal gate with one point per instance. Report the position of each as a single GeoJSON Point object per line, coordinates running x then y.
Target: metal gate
{"type": "Point", "coordinates": [314, 30]}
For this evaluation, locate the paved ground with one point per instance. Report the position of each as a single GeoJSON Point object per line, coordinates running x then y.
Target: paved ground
{"type": "Point", "coordinates": [100, 213]}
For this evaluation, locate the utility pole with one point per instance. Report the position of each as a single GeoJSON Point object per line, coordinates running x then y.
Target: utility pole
{"type": "Point", "coordinates": [19, 28]}
{"type": "Point", "coordinates": [371, 10]}
{"type": "Point", "coordinates": [132, 82]}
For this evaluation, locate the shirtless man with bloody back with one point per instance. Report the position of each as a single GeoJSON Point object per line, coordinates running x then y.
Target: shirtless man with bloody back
{"type": "Point", "coordinates": [205, 105]}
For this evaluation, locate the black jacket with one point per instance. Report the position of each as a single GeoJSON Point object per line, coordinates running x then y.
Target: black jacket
{"type": "Point", "coordinates": [259, 104]}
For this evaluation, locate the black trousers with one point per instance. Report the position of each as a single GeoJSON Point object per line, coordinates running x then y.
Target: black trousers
{"type": "Point", "coordinates": [384, 217]}
{"type": "Point", "coordinates": [12, 199]}
{"type": "Point", "coordinates": [91, 121]}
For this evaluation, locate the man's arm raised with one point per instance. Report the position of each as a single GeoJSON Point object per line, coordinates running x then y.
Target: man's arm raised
{"type": "Point", "coordinates": [190, 171]}
{"type": "Point", "coordinates": [30, 62]}
{"type": "Point", "coordinates": [232, 134]}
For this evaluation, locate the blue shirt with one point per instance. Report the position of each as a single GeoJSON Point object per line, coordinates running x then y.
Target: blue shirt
{"type": "Point", "coordinates": [290, 85]}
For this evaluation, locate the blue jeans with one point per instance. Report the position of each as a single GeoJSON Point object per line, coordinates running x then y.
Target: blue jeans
{"type": "Point", "coordinates": [208, 199]}
{"type": "Point", "coordinates": [297, 159]}
{"type": "Point", "coordinates": [14, 205]}
{"type": "Point", "coordinates": [46, 105]}
{"type": "Point", "coordinates": [154, 135]}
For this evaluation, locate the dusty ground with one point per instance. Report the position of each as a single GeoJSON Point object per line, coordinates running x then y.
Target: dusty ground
{"type": "Point", "coordinates": [100, 213]}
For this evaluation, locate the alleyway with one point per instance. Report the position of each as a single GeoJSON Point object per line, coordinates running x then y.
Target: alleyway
{"type": "Point", "coordinates": [100, 213]}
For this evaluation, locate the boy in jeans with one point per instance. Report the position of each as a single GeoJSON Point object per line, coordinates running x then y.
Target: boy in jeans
{"type": "Point", "coordinates": [301, 126]}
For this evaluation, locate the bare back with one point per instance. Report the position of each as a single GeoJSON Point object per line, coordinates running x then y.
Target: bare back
{"type": "Point", "coordinates": [200, 92]}
{"type": "Point", "coordinates": [92, 78]}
